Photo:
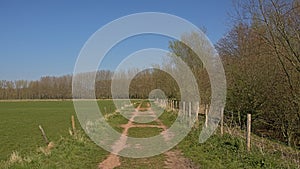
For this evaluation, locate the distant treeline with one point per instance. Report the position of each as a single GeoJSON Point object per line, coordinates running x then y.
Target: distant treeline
{"type": "Point", "coordinates": [45, 88]}
{"type": "Point", "coordinates": [50, 87]}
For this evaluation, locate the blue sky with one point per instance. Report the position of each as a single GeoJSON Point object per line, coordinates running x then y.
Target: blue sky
{"type": "Point", "coordinates": [39, 38]}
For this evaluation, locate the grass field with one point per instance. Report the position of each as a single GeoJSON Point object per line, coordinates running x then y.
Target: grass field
{"type": "Point", "coordinates": [19, 133]}
{"type": "Point", "coordinates": [19, 123]}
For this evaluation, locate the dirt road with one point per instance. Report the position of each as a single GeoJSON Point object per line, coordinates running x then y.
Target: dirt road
{"type": "Point", "coordinates": [174, 158]}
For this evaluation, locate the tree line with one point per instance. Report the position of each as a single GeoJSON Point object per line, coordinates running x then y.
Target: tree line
{"type": "Point", "coordinates": [51, 87]}
{"type": "Point", "coordinates": [261, 55]}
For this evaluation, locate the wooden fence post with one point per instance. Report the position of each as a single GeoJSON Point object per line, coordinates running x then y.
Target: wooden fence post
{"type": "Point", "coordinates": [173, 105]}
{"type": "Point", "coordinates": [44, 134]}
{"type": "Point", "coordinates": [206, 115]}
{"type": "Point", "coordinates": [190, 109]}
{"type": "Point", "coordinates": [197, 111]}
{"type": "Point", "coordinates": [168, 104]}
{"type": "Point", "coordinates": [222, 120]}
{"type": "Point", "coordinates": [248, 132]}
{"type": "Point", "coordinates": [179, 110]}
{"type": "Point", "coordinates": [73, 124]}
{"type": "Point", "coordinates": [183, 108]}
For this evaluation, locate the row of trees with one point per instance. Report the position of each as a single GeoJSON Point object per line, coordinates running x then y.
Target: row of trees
{"type": "Point", "coordinates": [261, 54]}
{"type": "Point", "coordinates": [45, 88]}
{"type": "Point", "coordinates": [61, 87]}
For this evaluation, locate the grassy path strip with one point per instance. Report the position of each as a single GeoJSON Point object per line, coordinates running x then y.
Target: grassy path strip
{"type": "Point", "coordinates": [113, 160]}
{"type": "Point", "coordinates": [171, 159]}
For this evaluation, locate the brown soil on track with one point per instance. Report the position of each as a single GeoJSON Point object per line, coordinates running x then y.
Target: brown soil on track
{"type": "Point", "coordinates": [112, 161]}
{"type": "Point", "coordinates": [174, 160]}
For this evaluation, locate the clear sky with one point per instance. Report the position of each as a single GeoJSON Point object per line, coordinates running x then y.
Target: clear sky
{"type": "Point", "coordinates": [39, 38]}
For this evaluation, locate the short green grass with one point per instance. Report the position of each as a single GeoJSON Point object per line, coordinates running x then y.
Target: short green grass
{"type": "Point", "coordinates": [68, 152]}
{"type": "Point", "coordinates": [148, 123]}
{"type": "Point", "coordinates": [136, 102]}
{"type": "Point", "coordinates": [19, 123]}
{"type": "Point", "coordinates": [145, 104]}
{"type": "Point", "coordinates": [144, 132]}
{"type": "Point", "coordinates": [225, 151]}
{"type": "Point", "coordinates": [145, 119]}
{"type": "Point", "coordinates": [116, 121]}
{"type": "Point", "coordinates": [19, 132]}
{"type": "Point", "coordinates": [229, 152]}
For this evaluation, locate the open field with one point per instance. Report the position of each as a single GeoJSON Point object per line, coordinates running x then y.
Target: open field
{"type": "Point", "coordinates": [19, 132]}
{"type": "Point", "coordinates": [19, 123]}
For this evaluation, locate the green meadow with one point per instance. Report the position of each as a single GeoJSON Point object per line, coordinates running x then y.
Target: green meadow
{"type": "Point", "coordinates": [22, 145]}
{"type": "Point", "coordinates": [20, 120]}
